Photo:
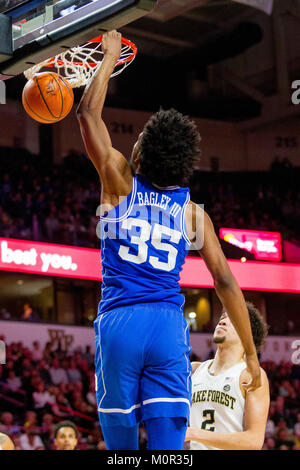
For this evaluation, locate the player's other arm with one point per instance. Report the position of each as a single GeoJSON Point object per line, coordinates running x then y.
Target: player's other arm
{"type": "Point", "coordinates": [227, 290]}
{"type": "Point", "coordinates": [107, 160]}
{"type": "Point", "coordinates": [255, 418]}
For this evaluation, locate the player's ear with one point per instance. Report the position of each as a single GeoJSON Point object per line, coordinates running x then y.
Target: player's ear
{"type": "Point", "coordinates": [136, 159]}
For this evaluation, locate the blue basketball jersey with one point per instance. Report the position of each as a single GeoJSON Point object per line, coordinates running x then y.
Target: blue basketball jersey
{"type": "Point", "coordinates": [143, 246]}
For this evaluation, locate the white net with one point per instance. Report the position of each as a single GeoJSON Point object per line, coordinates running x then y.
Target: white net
{"type": "Point", "coordinates": [79, 64]}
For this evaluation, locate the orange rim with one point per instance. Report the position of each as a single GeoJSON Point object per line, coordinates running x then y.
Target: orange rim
{"type": "Point", "coordinates": [121, 61]}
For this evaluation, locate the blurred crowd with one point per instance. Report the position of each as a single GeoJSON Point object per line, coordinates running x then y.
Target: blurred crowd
{"type": "Point", "coordinates": [41, 387]}
{"type": "Point", "coordinates": [58, 203]}
{"type": "Point", "coordinates": [254, 200]}
{"type": "Point", "coordinates": [283, 425]}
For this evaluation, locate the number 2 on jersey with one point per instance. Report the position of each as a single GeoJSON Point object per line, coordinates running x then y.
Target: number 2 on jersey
{"type": "Point", "coordinates": [143, 237]}
{"type": "Point", "coordinates": [210, 414]}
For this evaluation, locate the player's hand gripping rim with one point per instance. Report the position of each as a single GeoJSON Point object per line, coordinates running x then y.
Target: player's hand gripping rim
{"type": "Point", "coordinates": [111, 44]}
{"type": "Point", "coordinates": [254, 370]}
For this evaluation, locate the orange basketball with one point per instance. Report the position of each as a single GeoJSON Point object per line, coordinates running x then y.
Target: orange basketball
{"type": "Point", "coordinates": [47, 97]}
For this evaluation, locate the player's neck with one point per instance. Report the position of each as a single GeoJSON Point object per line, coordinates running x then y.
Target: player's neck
{"type": "Point", "coordinates": [225, 358]}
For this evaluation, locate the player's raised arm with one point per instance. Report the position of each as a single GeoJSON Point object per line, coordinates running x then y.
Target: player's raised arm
{"type": "Point", "coordinates": [228, 292]}
{"type": "Point", "coordinates": [255, 418]}
{"type": "Point", "coordinates": [110, 164]}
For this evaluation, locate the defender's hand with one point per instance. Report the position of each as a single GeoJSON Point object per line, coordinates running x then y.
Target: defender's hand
{"type": "Point", "coordinates": [111, 44]}
{"type": "Point", "coordinates": [254, 370]}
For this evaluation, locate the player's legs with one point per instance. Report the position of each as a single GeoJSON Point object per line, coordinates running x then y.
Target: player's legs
{"type": "Point", "coordinates": [118, 364]}
{"type": "Point", "coordinates": [166, 377]}
{"type": "Point", "coordinates": [121, 437]}
{"type": "Point", "coordinates": [166, 433]}
{"type": "Point", "coordinates": [142, 368]}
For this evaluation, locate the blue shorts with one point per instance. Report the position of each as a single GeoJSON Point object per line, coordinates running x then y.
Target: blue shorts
{"type": "Point", "coordinates": [142, 364]}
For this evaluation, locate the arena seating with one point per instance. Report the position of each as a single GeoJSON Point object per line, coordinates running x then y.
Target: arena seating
{"type": "Point", "coordinates": [61, 201]}
{"type": "Point", "coordinates": [39, 388]}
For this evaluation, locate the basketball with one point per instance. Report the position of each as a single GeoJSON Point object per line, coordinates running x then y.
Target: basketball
{"type": "Point", "coordinates": [48, 97]}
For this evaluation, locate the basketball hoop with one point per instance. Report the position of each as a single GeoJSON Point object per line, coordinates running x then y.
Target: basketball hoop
{"type": "Point", "coordinates": [79, 64]}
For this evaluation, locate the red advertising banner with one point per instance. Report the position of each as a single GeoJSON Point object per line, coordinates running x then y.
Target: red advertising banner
{"type": "Point", "coordinates": [251, 275]}
{"type": "Point", "coordinates": [84, 263]}
{"type": "Point", "coordinates": [51, 259]}
{"type": "Point", "coordinates": [264, 245]}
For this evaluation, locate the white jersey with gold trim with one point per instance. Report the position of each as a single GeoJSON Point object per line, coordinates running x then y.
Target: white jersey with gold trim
{"type": "Point", "coordinates": [217, 401]}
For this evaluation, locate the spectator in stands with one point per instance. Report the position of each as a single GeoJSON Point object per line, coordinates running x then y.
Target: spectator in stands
{"type": "Point", "coordinates": [57, 373]}
{"type": "Point", "coordinates": [62, 406]}
{"type": "Point", "coordinates": [65, 436]}
{"type": "Point", "coordinates": [16, 440]}
{"type": "Point", "coordinates": [47, 429]}
{"type": "Point", "coordinates": [101, 445]}
{"type": "Point", "coordinates": [297, 425]}
{"type": "Point", "coordinates": [29, 314]}
{"type": "Point", "coordinates": [74, 374]}
{"type": "Point", "coordinates": [42, 397]}
{"type": "Point", "coordinates": [91, 395]}
{"type": "Point", "coordinates": [283, 439]}
{"type": "Point", "coordinates": [6, 422]}
{"type": "Point", "coordinates": [52, 226]}
{"type": "Point", "coordinates": [270, 428]}
{"type": "Point", "coordinates": [30, 440]}
{"type": "Point", "coordinates": [44, 372]}
{"type": "Point", "coordinates": [31, 418]}
{"type": "Point", "coordinates": [36, 353]}
{"type": "Point", "coordinates": [87, 355]}
{"type": "Point", "coordinates": [13, 381]}
{"type": "Point", "coordinates": [4, 314]}
{"type": "Point", "coordinates": [47, 353]}
{"type": "Point", "coordinates": [297, 441]}
{"type": "Point", "coordinates": [269, 444]}
{"type": "Point", "coordinates": [8, 367]}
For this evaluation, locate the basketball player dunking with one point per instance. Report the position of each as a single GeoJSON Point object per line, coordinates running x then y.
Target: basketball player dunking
{"type": "Point", "coordinates": [143, 372]}
{"type": "Point", "coordinates": [223, 414]}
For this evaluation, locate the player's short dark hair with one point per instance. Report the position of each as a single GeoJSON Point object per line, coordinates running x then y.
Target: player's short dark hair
{"type": "Point", "coordinates": [259, 327]}
{"type": "Point", "coordinates": [169, 148]}
{"type": "Point", "coordinates": [65, 424]}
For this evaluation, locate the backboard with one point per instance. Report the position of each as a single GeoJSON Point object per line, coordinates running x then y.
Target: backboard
{"type": "Point", "coordinates": [44, 28]}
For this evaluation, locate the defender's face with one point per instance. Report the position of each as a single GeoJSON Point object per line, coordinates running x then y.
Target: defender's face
{"type": "Point", "coordinates": [66, 439]}
{"type": "Point", "coordinates": [225, 331]}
